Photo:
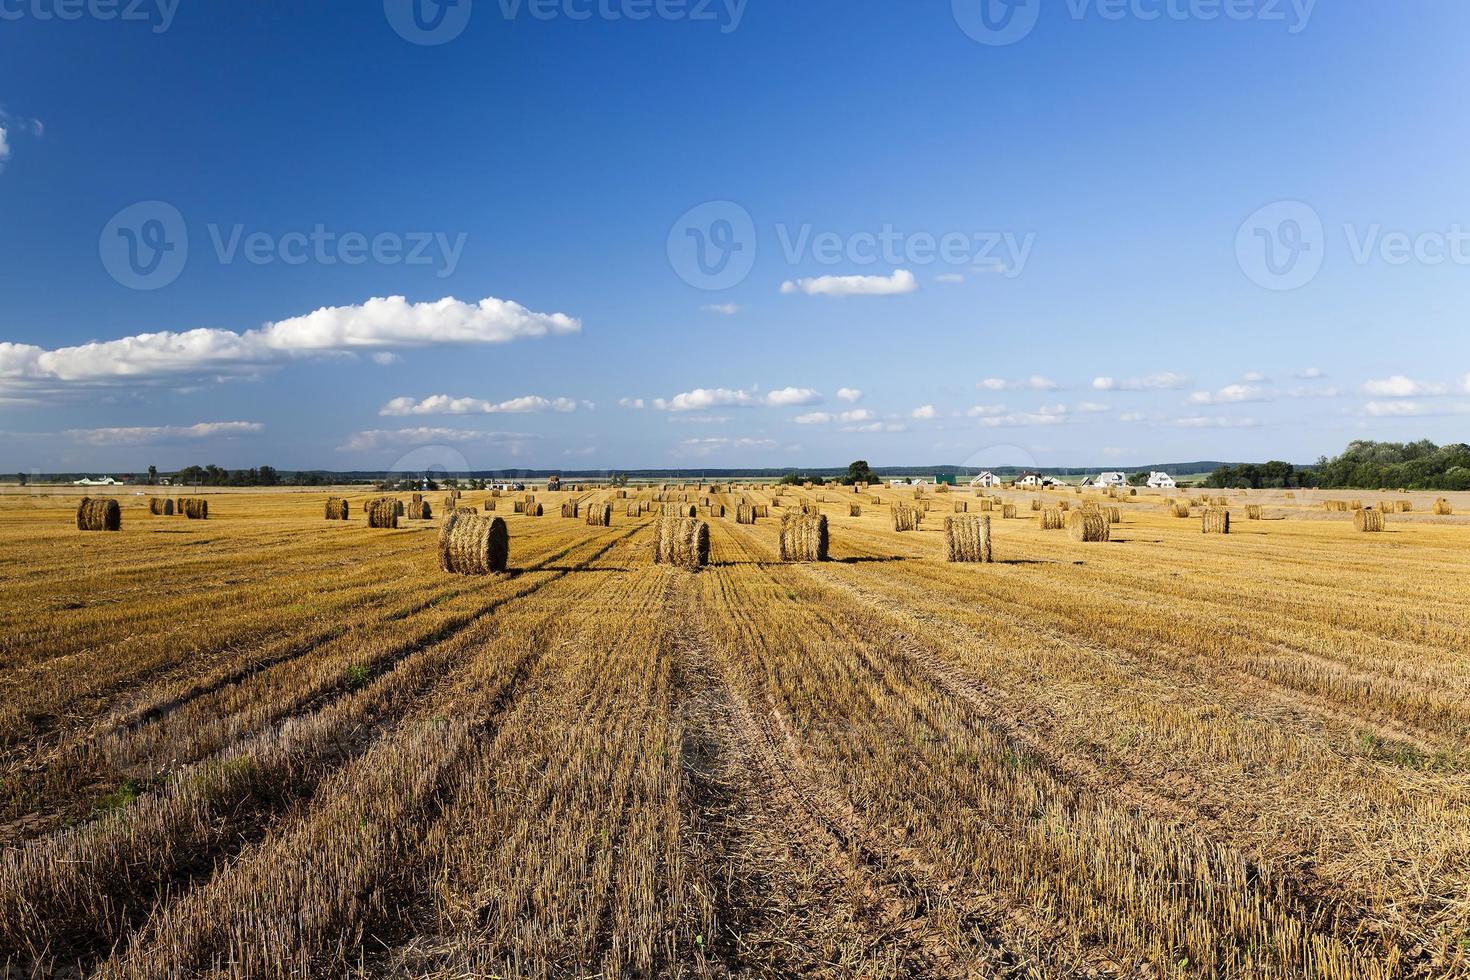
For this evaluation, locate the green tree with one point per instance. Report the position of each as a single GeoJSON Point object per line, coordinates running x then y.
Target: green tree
{"type": "Point", "coordinates": [858, 471]}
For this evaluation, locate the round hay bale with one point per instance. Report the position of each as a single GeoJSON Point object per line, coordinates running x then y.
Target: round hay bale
{"type": "Point", "coordinates": [1253, 512]}
{"type": "Point", "coordinates": [1442, 508]}
{"type": "Point", "coordinates": [382, 512]}
{"type": "Point", "coordinates": [1368, 520]}
{"type": "Point", "coordinates": [681, 541]}
{"type": "Point", "coordinates": [1053, 519]}
{"type": "Point", "coordinates": [99, 514]}
{"type": "Point", "coordinates": [168, 507]}
{"type": "Point", "coordinates": [473, 545]}
{"type": "Point", "coordinates": [963, 506]}
{"type": "Point", "coordinates": [489, 505]}
{"type": "Point", "coordinates": [968, 538]}
{"type": "Point", "coordinates": [744, 514]}
{"type": "Point", "coordinates": [1216, 520]}
{"type": "Point", "coordinates": [196, 508]}
{"type": "Point", "coordinates": [1008, 512]}
{"type": "Point", "coordinates": [1114, 515]}
{"type": "Point", "coordinates": [1089, 525]}
{"type": "Point", "coordinates": [570, 509]}
{"type": "Point", "coordinates": [418, 510]}
{"type": "Point", "coordinates": [854, 510]}
{"type": "Point", "coordinates": [1036, 504]}
{"type": "Point", "coordinates": [679, 510]}
{"type": "Point", "coordinates": [155, 505]}
{"type": "Point", "coordinates": [906, 518]}
{"type": "Point", "coordinates": [1179, 510]}
{"type": "Point", "coordinates": [804, 537]}
{"type": "Point", "coordinates": [534, 510]}
{"type": "Point", "coordinates": [599, 515]}
{"type": "Point", "coordinates": [336, 509]}
{"type": "Point", "coordinates": [1405, 506]}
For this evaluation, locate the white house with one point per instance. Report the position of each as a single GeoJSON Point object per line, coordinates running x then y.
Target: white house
{"type": "Point", "coordinates": [986, 479]}
{"type": "Point", "coordinates": [1029, 480]}
{"type": "Point", "coordinates": [1111, 480]}
{"type": "Point", "coordinates": [87, 481]}
{"type": "Point", "coordinates": [1161, 481]}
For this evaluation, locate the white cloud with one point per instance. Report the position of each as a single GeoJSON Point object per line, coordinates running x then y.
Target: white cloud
{"type": "Point", "coordinates": [786, 397]}
{"type": "Point", "coordinates": [699, 419]}
{"type": "Point", "coordinates": [713, 444]}
{"type": "Point", "coordinates": [1046, 415]}
{"type": "Point", "coordinates": [386, 358]}
{"type": "Point", "coordinates": [982, 411]}
{"type": "Point", "coordinates": [1313, 391]}
{"type": "Point", "coordinates": [446, 405]}
{"type": "Point", "coordinates": [902, 281]}
{"type": "Point", "coordinates": [725, 309]}
{"type": "Point", "coordinates": [1161, 381]}
{"type": "Point", "coordinates": [876, 427]}
{"type": "Point", "coordinates": [856, 394]}
{"type": "Point", "coordinates": [1254, 377]}
{"type": "Point", "coordinates": [1310, 374]}
{"type": "Point", "coordinates": [423, 436]}
{"type": "Point", "coordinates": [1395, 409]}
{"type": "Point", "coordinates": [1465, 383]}
{"type": "Point", "coordinates": [949, 277]}
{"type": "Point", "coordinates": [1214, 422]}
{"type": "Point", "coordinates": [1034, 383]}
{"type": "Point", "coordinates": [820, 418]}
{"type": "Point", "coordinates": [4, 145]}
{"type": "Point", "coordinates": [1231, 394]}
{"type": "Point", "coordinates": [700, 399]}
{"type": "Point", "coordinates": [378, 323]}
{"type": "Point", "coordinates": [924, 412]}
{"type": "Point", "coordinates": [630, 402]}
{"type": "Point", "coordinates": [1399, 386]}
{"type": "Point", "coordinates": [148, 435]}
{"type": "Point", "coordinates": [1091, 408]}
{"type": "Point", "coordinates": [1131, 417]}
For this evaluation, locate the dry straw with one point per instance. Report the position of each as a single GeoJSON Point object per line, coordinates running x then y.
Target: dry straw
{"type": "Point", "coordinates": [715, 510]}
{"type": "Point", "coordinates": [906, 518]}
{"type": "Point", "coordinates": [473, 545]}
{"type": "Point", "coordinates": [534, 509]}
{"type": "Point", "coordinates": [599, 515]}
{"type": "Point", "coordinates": [196, 508]}
{"type": "Point", "coordinates": [1442, 507]}
{"type": "Point", "coordinates": [1405, 506]}
{"type": "Point", "coordinates": [968, 538]}
{"type": "Point", "coordinates": [1008, 512]}
{"type": "Point", "coordinates": [1089, 525]}
{"type": "Point", "coordinates": [99, 514]}
{"type": "Point", "coordinates": [1053, 519]}
{"type": "Point", "coordinates": [337, 509]}
{"type": "Point", "coordinates": [854, 510]}
{"type": "Point", "coordinates": [419, 510]}
{"type": "Point", "coordinates": [681, 541]}
{"type": "Point", "coordinates": [570, 509]}
{"type": "Point", "coordinates": [383, 512]}
{"type": "Point", "coordinates": [804, 537]}
{"type": "Point", "coordinates": [963, 506]}
{"type": "Point", "coordinates": [744, 514]}
{"type": "Point", "coordinates": [1179, 510]}
{"type": "Point", "coordinates": [518, 506]}
{"type": "Point", "coordinates": [1114, 515]}
{"type": "Point", "coordinates": [1253, 512]}
{"type": "Point", "coordinates": [678, 510]}
{"type": "Point", "coordinates": [489, 505]}
{"type": "Point", "coordinates": [1368, 520]}
{"type": "Point", "coordinates": [1036, 504]}
{"type": "Point", "coordinates": [1216, 521]}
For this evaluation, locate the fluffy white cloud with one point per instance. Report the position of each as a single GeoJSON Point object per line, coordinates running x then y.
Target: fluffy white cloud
{"type": "Point", "coordinates": [902, 281]}
{"type": "Point", "coordinates": [1310, 374]}
{"type": "Point", "coordinates": [446, 405]}
{"type": "Point", "coordinates": [1215, 422]}
{"type": "Point", "coordinates": [1313, 391]}
{"type": "Point", "coordinates": [1231, 394]}
{"type": "Point", "coordinates": [986, 411]}
{"type": "Point", "coordinates": [856, 394]}
{"type": "Point", "coordinates": [1395, 409]}
{"type": "Point", "coordinates": [876, 427]}
{"type": "Point", "coordinates": [925, 412]}
{"type": "Point", "coordinates": [630, 402]}
{"type": "Point", "coordinates": [1161, 381]}
{"type": "Point", "coordinates": [144, 435]}
{"type": "Point", "coordinates": [4, 145]}
{"type": "Point", "coordinates": [1091, 408]}
{"type": "Point", "coordinates": [700, 399]}
{"type": "Point", "coordinates": [386, 358]}
{"type": "Point", "coordinates": [1045, 415]}
{"type": "Point", "coordinates": [819, 418]}
{"type": "Point", "coordinates": [1254, 377]}
{"type": "Point", "coordinates": [423, 436]}
{"type": "Point", "coordinates": [1131, 417]}
{"type": "Point", "coordinates": [1399, 386]}
{"type": "Point", "coordinates": [378, 323]}
{"type": "Point", "coordinates": [1034, 383]}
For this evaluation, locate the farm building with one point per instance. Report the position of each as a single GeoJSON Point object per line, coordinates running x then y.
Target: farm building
{"type": "Point", "coordinates": [1113, 479]}
{"type": "Point", "coordinates": [1029, 479]}
{"type": "Point", "coordinates": [986, 479]}
{"type": "Point", "coordinates": [1161, 481]}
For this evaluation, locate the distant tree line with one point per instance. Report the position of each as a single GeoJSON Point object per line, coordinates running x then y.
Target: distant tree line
{"type": "Point", "coordinates": [256, 476]}
{"type": "Point", "coordinates": [1364, 465]}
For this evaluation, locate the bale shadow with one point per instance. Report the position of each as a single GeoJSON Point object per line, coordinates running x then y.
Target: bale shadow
{"type": "Point", "coordinates": [871, 558]}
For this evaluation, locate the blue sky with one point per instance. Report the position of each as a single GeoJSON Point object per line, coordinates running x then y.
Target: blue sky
{"type": "Point", "coordinates": [794, 234]}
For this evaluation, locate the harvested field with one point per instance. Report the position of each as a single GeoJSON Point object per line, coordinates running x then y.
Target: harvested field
{"type": "Point", "coordinates": [267, 744]}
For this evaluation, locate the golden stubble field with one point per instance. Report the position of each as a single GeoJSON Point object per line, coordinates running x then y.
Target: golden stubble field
{"type": "Point", "coordinates": [266, 744]}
